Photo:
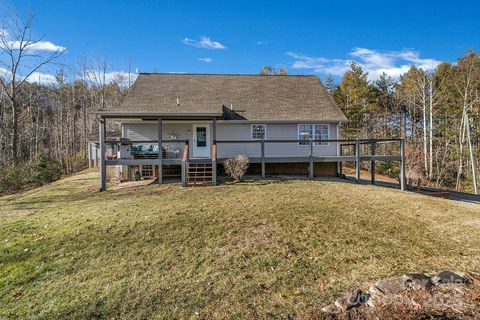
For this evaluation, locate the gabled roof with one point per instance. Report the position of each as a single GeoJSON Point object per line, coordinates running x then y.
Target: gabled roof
{"type": "Point", "coordinates": [239, 97]}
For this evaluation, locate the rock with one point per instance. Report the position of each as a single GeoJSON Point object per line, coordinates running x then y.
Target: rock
{"type": "Point", "coordinates": [450, 277]}
{"type": "Point", "coordinates": [392, 285]}
{"type": "Point", "coordinates": [331, 308]}
{"type": "Point", "coordinates": [422, 279]}
{"type": "Point", "coordinates": [349, 301]}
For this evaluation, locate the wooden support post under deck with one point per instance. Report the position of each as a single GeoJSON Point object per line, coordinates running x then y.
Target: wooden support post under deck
{"type": "Point", "coordinates": [160, 152]}
{"type": "Point", "coordinates": [372, 164]}
{"type": "Point", "coordinates": [357, 161]}
{"type": "Point", "coordinates": [310, 171]}
{"type": "Point", "coordinates": [214, 151]}
{"type": "Point", "coordinates": [184, 173]}
{"type": "Point", "coordinates": [103, 167]}
{"type": "Point", "coordinates": [340, 163]}
{"type": "Point", "coordinates": [402, 165]}
{"type": "Point", "coordinates": [262, 150]}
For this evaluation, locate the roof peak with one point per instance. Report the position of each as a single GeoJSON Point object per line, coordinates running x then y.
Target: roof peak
{"type": "Point", "coordinates": [226, 74]}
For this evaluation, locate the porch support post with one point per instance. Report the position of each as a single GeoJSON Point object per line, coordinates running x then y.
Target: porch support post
{"type": "Point", "coordinates": [357, 161]}
{"type": "Point", "coordinates": [402, 165]}
{"type": "Point", "coordinates": [89, 154]}
{"type": "Point", "coordinates": [262, 151]}
{"type": "Point", "coordinates": [339, 151]}
{"type": "Point", "coordinates": [372, 164]}
{"type": "Point", "coordinates": [310, 171]}
{"type": "Point", "coordinates": [214, 151]}
{"type": "Point", "coordinates": [340, 163]}
{"type": "Point", "coordinates": [103, 167]}
{"type": "Point", "coordinates": [160, 152]}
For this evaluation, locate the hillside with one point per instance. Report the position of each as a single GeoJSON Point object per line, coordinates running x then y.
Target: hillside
{"type": "Point", "coordinates": [252, 250]}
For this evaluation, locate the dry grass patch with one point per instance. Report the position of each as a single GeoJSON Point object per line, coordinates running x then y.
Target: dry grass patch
{"type": "Point", "coordinates": [258, 249]}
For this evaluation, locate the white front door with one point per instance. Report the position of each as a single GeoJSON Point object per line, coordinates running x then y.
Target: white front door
{"type": "Point", "coordinates": [201, 141]}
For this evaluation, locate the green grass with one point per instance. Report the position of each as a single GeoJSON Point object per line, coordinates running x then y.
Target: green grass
{"type": "Point", "coordinates": [260, 249]}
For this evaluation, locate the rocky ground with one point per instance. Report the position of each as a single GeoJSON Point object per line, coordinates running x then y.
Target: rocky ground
{"type": "Point", "coordinates": [446, 295]}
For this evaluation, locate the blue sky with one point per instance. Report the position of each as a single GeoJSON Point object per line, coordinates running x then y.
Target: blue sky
{"type": "Point", "coordinates": [305, 37]}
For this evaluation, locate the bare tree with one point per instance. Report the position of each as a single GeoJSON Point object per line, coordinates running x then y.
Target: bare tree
{"type": "Point", "coordinates": [467, 85]}
{"type": "Point", "coordinates": [21, 55]}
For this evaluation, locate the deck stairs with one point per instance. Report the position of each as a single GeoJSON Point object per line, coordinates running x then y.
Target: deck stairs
{"type": "Point", "coordinates": [199, 173]}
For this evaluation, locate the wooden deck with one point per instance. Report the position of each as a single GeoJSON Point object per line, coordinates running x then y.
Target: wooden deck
{"type": "Point", "coordinates": [353, 154]}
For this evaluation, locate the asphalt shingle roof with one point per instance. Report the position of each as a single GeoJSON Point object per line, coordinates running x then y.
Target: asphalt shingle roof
{"type": "Point", "coordinates": [249, 97]}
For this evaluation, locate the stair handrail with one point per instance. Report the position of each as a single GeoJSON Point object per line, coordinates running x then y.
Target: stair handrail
{"type": "Point", "coordinates": [185, 151]}
{"type": "Point", "coordinates": [185, 163]}
{"type": "Point", "coordinates": [214, 163]}
{"type": "Point", "coordinates": [214, 151]}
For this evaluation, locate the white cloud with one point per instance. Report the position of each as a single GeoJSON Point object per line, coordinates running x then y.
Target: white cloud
{"type": "Point", "coordinates": [36, 46]}
{"type": "Point", "coordinates": [35, 77]}
{"type": "Point", "coordinates": [3, 32]}
{"type": "Point", "coordinates": [120, 77]}
{"type": "Point", "coordinates": [204, 43]}
{"type": "Point", "coordinates": [393, 63]}
{"type": "Point", "coordinates": [206, 60]}
{"type": "Point", "coordinates": [46, 46]}
{"type": "Point", "coordinates": [261, 42]}
{"type": "Point", "coordinates": [93, 77]}
{"type": "Point", "coordinates": [42, 78]}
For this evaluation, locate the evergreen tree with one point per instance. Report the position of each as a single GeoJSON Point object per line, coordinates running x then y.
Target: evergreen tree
{"type": "Point", "coordinates": [330, 84]}
{"type": "Point", "coordinates": [355, 96]}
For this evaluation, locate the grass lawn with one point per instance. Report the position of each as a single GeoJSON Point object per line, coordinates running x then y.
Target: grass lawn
{"type": "Point", "coordinates": [260, 249]}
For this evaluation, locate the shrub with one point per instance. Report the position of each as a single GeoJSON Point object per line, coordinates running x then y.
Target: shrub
{"type": "Point", "coordinates": [236, 166]}
{"type": "Point", "coordinates": [45, 169]}
{"type": "Point", "coordinates": [14, 178]}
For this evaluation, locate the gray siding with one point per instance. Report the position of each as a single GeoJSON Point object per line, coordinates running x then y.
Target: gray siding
{"type": "Point", "coordinates": [274, 131]}
{"type": "Point", "coordinates": [238, 131]}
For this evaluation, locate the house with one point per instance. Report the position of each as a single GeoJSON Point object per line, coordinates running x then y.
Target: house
{"type": "Point", "coordinates": [284, 124]}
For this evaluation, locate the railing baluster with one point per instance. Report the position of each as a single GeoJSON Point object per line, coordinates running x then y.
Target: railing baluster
{"type": "Point", "coordinates": [263, 157]}
{"type": "Point", "coordinates": [402, 165]}
{"type": "Point", "coordinates": [311, 160]}
{"type": "Point", "coordinates": [372, 163]}
{"type": "Point", "coordinates": [357, 161]}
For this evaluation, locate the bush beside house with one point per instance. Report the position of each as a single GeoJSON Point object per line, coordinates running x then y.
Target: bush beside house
{"type": "Point", "coordinates": [237, 166]}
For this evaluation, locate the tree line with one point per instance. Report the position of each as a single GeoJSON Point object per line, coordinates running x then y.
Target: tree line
{"type": "Point", "coordinates": [435, 111]}
{"type": "Point", "coordinates": [44, 127]}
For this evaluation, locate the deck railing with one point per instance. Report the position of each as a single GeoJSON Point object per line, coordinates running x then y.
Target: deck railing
{"type": "Point", "coordinates": [146, 149]}
{"type": "Point", "coordinates": [360, 150]}
{"type": "Point", "coordinates": [347, 150]}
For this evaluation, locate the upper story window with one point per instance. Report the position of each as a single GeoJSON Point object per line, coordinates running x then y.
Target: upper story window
{"type": "Point", "coordinates": [258, 131]}
{"type": "Point", "coordinates": [313, 131]}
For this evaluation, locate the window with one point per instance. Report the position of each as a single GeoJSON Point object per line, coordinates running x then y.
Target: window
{"type": "Point", "coordinates": [201, 136]}
{"type": "Point", "coordinates": [313, 131]}
{"type": "Point", "coordinates": [258, 131]}
{"type": "Point", "coordinates": [321, 133]}
{"type": "Point", "coordinates": [147, 170]}
{"type": "Point", "coordinates": [304, 133]}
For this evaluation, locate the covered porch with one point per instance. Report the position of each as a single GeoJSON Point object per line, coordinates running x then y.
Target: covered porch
{"type": "Point", "coordinates": [159, 156]}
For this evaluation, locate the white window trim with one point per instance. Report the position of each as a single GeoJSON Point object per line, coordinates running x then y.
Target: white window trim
{"type": "Point", "coordinates": [316, 144]}
{"type": "Point", "coordinates": [264, 130]}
